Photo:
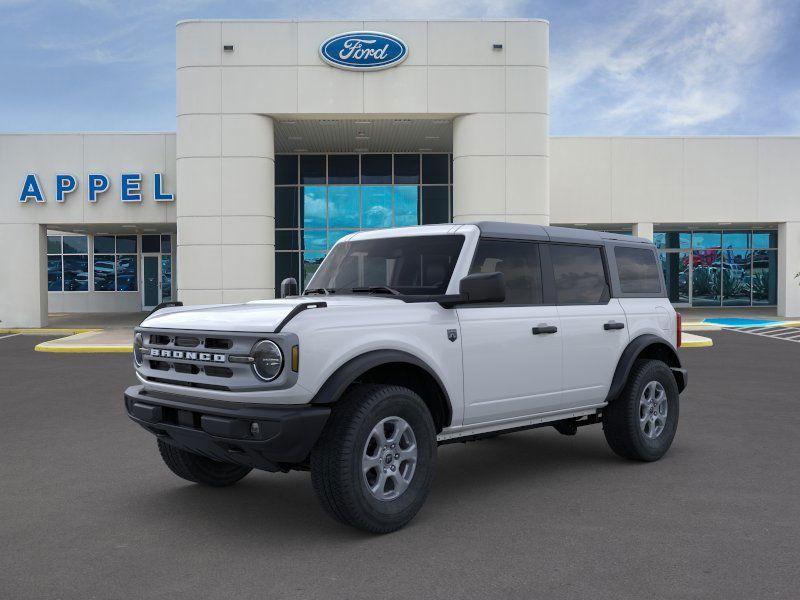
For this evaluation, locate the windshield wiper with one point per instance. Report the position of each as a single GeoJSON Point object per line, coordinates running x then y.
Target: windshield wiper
{"type": "Point", "coordinates": [323, 291]}
{"type": "Point", "coordinates": [375, 289]}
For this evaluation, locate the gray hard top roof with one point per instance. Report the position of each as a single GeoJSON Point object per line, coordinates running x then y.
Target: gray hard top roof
{"type": "Point", "coordinates": [521, 231]}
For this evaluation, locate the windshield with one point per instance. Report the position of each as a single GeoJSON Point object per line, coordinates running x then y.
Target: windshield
{"type": "Point", "coordinates": [418, 265]}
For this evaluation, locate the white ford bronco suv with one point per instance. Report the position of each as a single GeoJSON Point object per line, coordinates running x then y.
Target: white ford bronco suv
{"type": "Point", "coordinates": [408, 338]}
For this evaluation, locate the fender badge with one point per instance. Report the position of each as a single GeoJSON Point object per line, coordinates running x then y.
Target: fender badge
{"type": "Point", "coordinates": [452, 335]}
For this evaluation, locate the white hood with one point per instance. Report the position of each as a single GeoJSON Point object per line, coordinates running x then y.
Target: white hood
{"type": "Point", "coordinates": [261, 316]}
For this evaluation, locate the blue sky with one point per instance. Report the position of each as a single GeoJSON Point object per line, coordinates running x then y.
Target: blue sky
{"type": "Point", "coordinates": [617, 68]}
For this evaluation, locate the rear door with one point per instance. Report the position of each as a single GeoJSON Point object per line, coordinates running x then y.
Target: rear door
{"type": "Point", "coordinates": [512, 350]}
{"type": "Point", "coordinates": [594, 327]}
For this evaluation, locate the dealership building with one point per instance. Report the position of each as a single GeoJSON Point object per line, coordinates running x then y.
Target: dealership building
{"type": "Point", "coordinates": [293, 134]}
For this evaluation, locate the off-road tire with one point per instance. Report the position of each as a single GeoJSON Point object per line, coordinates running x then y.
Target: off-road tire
{"type": "Point", "coordinates": [336, 467]}
{"type": "Point", "coordinates": [199, 469]}
{"type": "Point", "coordinates": [621, 424]}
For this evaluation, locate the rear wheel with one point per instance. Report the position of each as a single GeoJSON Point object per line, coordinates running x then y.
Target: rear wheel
{"type": "Point", "coordinates": [199, 469]}
{"type": "Point", "coordinates": [640, 424]}
{"type": "Point", "coordinates": [374, 463]}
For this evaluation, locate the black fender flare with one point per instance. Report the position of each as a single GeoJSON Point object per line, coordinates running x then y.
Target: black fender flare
{"type": "Point", "coordinates": [633, 350]}
{"type": "Point", "coordinates": [340, 380]}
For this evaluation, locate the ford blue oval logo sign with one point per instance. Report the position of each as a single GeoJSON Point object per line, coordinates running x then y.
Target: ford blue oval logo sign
{"type": "Point", "coordinates": [363, 50]}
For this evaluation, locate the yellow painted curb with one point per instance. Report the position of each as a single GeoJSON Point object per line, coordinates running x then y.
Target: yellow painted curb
{"type": "Point", "coordinates": [695, 341]}
{"type": "Point", "coordinates": [72, 349]}
{"type": "Point", "coordinates": [46, 331]}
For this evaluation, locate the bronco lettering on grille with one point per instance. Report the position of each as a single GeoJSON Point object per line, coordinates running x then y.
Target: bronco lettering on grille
{"type": "Point", "coordinates": [181, 354]}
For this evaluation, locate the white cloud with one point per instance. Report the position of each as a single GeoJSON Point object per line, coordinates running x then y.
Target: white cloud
{"type": "Point", "coordinates": [671, 69]}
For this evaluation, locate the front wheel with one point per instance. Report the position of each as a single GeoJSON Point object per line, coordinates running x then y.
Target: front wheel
{"type": "Point", "coordinates": [374, 463]}
{"type": "Point", "coordinates": [640, 424]}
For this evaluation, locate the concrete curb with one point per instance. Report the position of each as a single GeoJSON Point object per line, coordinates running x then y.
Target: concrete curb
{"type": "Point", "coordinates": [64, 349]}
{"type": "Point", "coordinates": [689, 340]}
{"type": "Point", "coordinates": [47, 331]}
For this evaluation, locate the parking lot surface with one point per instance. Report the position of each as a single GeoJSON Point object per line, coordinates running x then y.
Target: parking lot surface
{"type": "Point", "coordinates": [87, 509]}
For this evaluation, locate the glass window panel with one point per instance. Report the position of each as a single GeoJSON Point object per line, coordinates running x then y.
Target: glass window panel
{"type": "Point", "coordinates": [166, 244]}
{"type": "Point", "coordinates": [343, 168]}
{"type": "Point", "coordinates": [765, 239]}
{"type": "Point", "coordinates": [736, 277]}
{"type": "Point", "coordinates": [54, 244]}
{"type": "Point", "coordinates": [406, 168]}
{"type": "Point", "coordinates": [765, 277]}
{"type": "Point", "coordinates": [126, 244]}
{"type": "Point", "coordinates": [285, 169]}
{"type": "Point", "coordinates": [150, 243]}
{"type": "Point", "coordinates": [103, 272]}
{"type": "Point", "coordinates": [286, 240]}
{"type": "Point", "coordinates": [519, 264]}
{"type": "Point", "coordinates": [579, 274]}
{"type": "Point", "coordinates": [286, 265]}
{"type": "Point", "coordinates": [54, 279]}
{"type": "Point", "coordinates": [315, 239]}
{"type": "Point", "coordinates": [76, 273]}
{"type": "Point", "coordinates": [126, 274]}
{"type": "Point", "coordinates": [314, 206]}
{"type": "Point", "coordinates": [675, 266]}
{"type": "Point", "coordinates": [312, 168]}
{"type": "Point", "coordinates": [706, 277]}
{"type": "Point", "coordinates": [376, 168]}
{"type": "Point", "coordinates": [286, 207]}
{"type": "Point", "coordinates": [638, 271]}
{"type": "Point", "coordinates": [672, 239]}
{"type": "Point", "coordinates": [434, 168]}
{"type": "Point", "coordinates": [736, 239]}
{"type": "Point", "coordinates": [376, 206]}
{"type": "Point", "coordinates": [406, 205]}
{"type": "Point", "coordinates": [311, 262]}
{"type": "Point", "coordinates": [435, 205]}
{"type": "Point", "coordinates": [166, 278]}
{"type": "Point", "coordinates": [104, 244]}
{"type": "Point", "coordinates": [75, 244]}
{"type": "Point", "coordinates": [706, 239]}
{"type": "Point", "coordinates": [343, 206]}
{"type": "Point", "coordinates": [334, 235]}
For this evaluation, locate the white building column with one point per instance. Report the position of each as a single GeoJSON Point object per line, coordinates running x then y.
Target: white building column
{"type": "Point", "coordinates": [500, 168]}
{"type": "Point", "coordinates": [23, 271]}
{"type": "Point", "coordinates": [226, 223]}
{"type": "Point", "coordinates": [788, 266]}
{"type": "Point", "coordinates": [643, 230]}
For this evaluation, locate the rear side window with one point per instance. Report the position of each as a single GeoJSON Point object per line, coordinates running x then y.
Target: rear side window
{"type": "Point", "coordinates": [519, 264]}
{"type": "Point", "coordinates": [579, 274]}
{"type": "Point", "coordinates": [638, 271]}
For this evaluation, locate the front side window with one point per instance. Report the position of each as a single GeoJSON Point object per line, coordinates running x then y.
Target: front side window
{"type": "Point", "coordinates": [579, 274]}
{"type": "Point", "coordinates": [519, 264]}
{"type": "Point", "coordinates": [638, 271]}
{"type": "Point", "coordinates": [414, 265]}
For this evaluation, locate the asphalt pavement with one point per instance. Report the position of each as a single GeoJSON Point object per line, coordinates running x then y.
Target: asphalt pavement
{"type": "Point", "coordinates": [87, 509]}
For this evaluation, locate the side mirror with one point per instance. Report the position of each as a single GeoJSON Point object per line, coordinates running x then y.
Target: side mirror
{"type": "Point", "coordinates": [483, 287]}
{"type": "Point", "coordinates": [289, 287]}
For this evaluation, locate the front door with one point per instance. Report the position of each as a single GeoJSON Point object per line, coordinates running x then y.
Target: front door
{"type": "Point", "coordinates": [151, 288]}
{"type": "Point", "coordinates": [512, 350]}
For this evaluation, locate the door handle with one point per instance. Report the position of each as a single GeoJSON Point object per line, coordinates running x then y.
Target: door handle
{"type": "Point", "coordinates": [544, 329]}
{"type": "Point", "coordinates": [612, 325]}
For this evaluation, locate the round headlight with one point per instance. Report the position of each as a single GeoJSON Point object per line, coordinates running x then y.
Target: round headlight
{"type": "Point", "coordinates": [138, 342]}
{"type": "Point", "coordinates": [268, 360]}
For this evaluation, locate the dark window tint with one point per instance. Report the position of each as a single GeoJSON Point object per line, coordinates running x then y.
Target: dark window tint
{"type": "Point", "coordinates": [435, 205]}
{"type": "Point", "coordinates": [54, 244]}
{"type": "Point", "coordinates": [103, 273]}
{"type": "Point", "coordinates": [519, 264]}
{"type": "Point", "coordinates": [54, 280]}
{"type": "Point", "coordinates": [286, 240]}
{"type": "Point", "coordinates": [286, 207]}
{"type": "Point", "coordinates": [286, 169]}
{"type": "Point", "coordinates": [343, 168]}
{"type": "Point", "coordinates": [286, 265]}
{"type": "Point", "coordinates": [151, 243]}
{"type": "Point", "coordinates": [638, 271]}
{"type": "Point", "coordinates": [434, 168]}
{"type": "Point", "coordinates": [166, 244]}
{"type": "Point", "coordinates": [126, 244]}
{"type": "Point", "coordinates": [75, 244]}
{"type": "Point", "coordinates": [406, 168]}
{"type": "Point", "coordinates": [376, 168]}
{"type": "Point", "coordinates": [76, 274]}
{"type": "Point", "coordinates": [579, 274]}
{"type": "Point", "coordinates": [312, 168]}
{"type": "Point", "coordinates": [126, 274]}
{"type": "Point", "coordinates": [104, 244]}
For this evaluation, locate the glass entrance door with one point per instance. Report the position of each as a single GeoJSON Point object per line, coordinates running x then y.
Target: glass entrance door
{"type": "Point", "coordinates": [151, 288]}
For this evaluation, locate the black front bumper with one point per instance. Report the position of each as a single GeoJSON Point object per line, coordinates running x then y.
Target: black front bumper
{"type": "Point", "coordinates": [284, 434]}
